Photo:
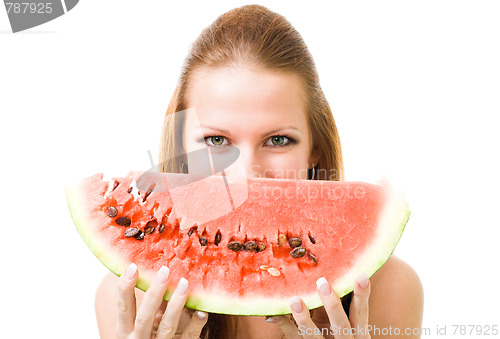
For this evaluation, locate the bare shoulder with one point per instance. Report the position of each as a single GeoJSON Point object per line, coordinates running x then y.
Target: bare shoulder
{"type": "Point", "coordinates": [396, 271]}
{"type": "Point", "coordinates": [397, 297]}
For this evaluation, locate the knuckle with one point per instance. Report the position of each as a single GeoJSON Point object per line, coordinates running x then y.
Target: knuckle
{"type": "Point", "coordinates": [166, 330]}
{"type": "Point", "coordinates": [119, 332]}
{"type": "Point", "coordinates": [122, 306]}
{"type": "Point", "coordinates": [142, 322]}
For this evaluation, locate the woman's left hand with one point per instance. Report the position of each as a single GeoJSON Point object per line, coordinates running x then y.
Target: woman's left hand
{"type": "Point", "coordinates": [332, 320]}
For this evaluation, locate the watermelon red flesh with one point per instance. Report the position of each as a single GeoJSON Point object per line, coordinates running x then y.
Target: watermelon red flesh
{"type": "Point", "coordinates": [355, 227]}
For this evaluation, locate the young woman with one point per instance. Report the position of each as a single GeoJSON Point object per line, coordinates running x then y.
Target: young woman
{"type": "Point", "coordinates": [253, 84]}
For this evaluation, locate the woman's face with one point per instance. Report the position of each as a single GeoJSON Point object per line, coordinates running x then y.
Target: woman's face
{"type": "Point", "coordinates": [260, 112]}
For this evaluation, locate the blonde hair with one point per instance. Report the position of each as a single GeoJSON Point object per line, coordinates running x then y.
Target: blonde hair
{"type": "Point", "coordinates": [256, 36]}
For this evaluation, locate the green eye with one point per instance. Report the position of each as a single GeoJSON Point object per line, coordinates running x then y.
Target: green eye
{"type": "Point", "coordinates": [217, 140]}
{"type": "Point", "coordinates": [278, 140]}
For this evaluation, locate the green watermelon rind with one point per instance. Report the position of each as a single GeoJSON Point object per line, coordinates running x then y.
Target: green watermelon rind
{"type": "Point", "coordinates": [393, 221]}
{"type": "Point", "coordinates": [391, 226]}
{"type": "Point", "coordinates": [112, 260]}
{"type": "Point", "coordinates": [75, 203]}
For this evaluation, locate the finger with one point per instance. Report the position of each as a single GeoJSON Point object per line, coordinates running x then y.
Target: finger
{"type": "Point", "coordinates": [150, 304]}
{"type": "Point", "coordinates": [172, 315]}
{"type": "Point", "coordinates": [195, 325]}
{"type": "Point", "coordinates": [320, 319]}
{"type": "Point", "coordinates": [358, 312]}
{"type": "Point", "coordinates": [305, 325]}
{"type": "Point", "coordinates": [340, 326]}
{"type": "Point", "coordinates": [126, 301]}
{"type": "Point", "coordinates": [286, 325]}
{"type": "Point", "coordinates": [159, 315]}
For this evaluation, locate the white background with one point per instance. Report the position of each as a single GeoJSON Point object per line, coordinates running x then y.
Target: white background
{"type": "Point", "coordinates": [415, 91]}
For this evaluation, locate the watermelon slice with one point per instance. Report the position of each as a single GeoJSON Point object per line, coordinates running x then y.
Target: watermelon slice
{"type": "Point", "coordinates": [246, 245]}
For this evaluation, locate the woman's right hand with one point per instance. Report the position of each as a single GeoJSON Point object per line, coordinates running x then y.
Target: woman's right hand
{"type": "Point", "coordinates": [141, 324]}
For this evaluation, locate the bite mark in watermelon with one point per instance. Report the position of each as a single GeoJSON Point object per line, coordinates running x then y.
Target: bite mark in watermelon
{"type": "Point", "coordinates": [273, 245]}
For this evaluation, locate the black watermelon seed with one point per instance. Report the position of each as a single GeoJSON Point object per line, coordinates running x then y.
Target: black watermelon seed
{"type": "Point", "coordinates": [218, 238]}
{"type": "Point", "coordinates": [298, 252]}
{"type": "Point", "coordinates": [313, 257]}
{"type": "Point", "coordinates": [139, 235]}
{"type": "Point", "coordinates": [203, 241]}
{"type": "Point", "coordinates": [130, 190]}
{"type": "Point", "coordinates": [312, 239]}
{"type": "Point", "coordinates": [150, 227]}
{"type": "Point", "coordinates": [112, 212]}
{"type": "Point", "coordinates": [261, 247]}
{"type": "Point", "coordinates": [147, 194]}
{"type": "Point", "coordinates": [235, 246]}
{"type": "Point", "coordinates": [192, 230]}
{"type": "Point", "coordinates": [123, 221]}
{"type": "Point", "coordinates": [132, 232]}
{"type": "Point", "coordinates": [250, 246]}
{"type": "Point", "coordinates": [161, 228]}
{"type": "Point", "coordinates": [295, 242]}
{"type": "Point", "coordinates": [115, 185]}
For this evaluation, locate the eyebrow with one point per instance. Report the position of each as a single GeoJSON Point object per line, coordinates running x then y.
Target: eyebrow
{"type": "Point", "coordinates": [225, 131]}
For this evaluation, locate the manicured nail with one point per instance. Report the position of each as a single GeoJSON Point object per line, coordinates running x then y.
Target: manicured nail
{"type": "Point", "coordinates": [130, 271]}
{"type": "Point", "coordinates": [272, 320]}
{"type": "Point", "coordinates": [323, 286]}
{"type": "Point", "coordinates": [296, 304]}
{"type": "Point", "coordinates": [182, 286]}
{"type": "Point", "coordinates": [363, 280]}
{"type": "Point", "coordinates": [200, 315]}
{"type": "Point", "coordinates": [162, 275]}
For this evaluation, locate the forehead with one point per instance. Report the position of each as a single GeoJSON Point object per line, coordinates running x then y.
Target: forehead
{"type": "Point", "coordinates": [248, 95]}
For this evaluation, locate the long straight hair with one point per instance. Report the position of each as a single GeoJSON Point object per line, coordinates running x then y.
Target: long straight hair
{"type": "Point", "coordinates": [253, 35]}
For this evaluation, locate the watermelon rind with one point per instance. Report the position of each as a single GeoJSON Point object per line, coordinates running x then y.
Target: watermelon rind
{"type": "Point", "coordinates": [391, 226]}
{"type": "Point", "coordinates": [104, 253]}
{"type": "Point", "coordinates": [392, 223]}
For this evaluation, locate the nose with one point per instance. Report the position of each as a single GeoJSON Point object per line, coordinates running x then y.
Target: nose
{"type": "Point", "coordinates": [249, 163]}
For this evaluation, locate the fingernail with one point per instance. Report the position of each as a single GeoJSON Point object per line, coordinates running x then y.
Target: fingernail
{"type": "Point", "coordinates": [323, 286]}
{"type": "Point", "coordinates": [130, 271]}
{"type": "Point", "coordinates": [182, 286]}
{"type": "Point", "coordinates": [363, 280]}
{"type": "Point", "coordinates": [162, 275]}
{"type": "Point", "coordinates": [200, 315]}
{"type": "Point", "coordinates": [296, 304]}
{"type": "Point", "coordinates": [271, 320]}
